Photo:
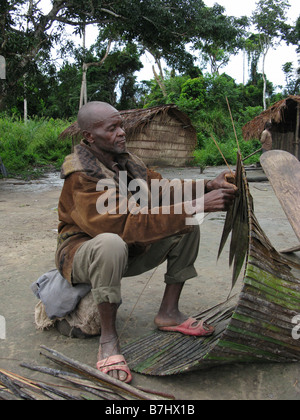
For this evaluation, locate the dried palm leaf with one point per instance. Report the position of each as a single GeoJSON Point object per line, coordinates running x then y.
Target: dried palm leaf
{"type": "Point", "coordinates": [255, 325]}
{"type": "Point", "coordinates": [237, 223]}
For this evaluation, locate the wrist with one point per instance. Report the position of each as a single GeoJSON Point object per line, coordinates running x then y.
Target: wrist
{"type": "Point", "coordinates": [209, 186]}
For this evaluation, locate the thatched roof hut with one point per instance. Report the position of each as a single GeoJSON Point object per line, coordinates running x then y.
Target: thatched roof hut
{"type": "Point", "coordinates": [160, 136]}
{"type": "Point", "coordinates": [284, 116]}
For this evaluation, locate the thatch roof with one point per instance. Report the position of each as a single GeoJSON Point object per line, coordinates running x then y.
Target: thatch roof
{"type": "Point", "coordinates": [136, 119]}
{"type": "Point", "coordinates": [276, 114]}
{"type": "Point", "coordinates": [72, 131]}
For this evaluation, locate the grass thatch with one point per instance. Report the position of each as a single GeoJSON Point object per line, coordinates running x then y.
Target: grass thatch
{"type": "Point", "coordinates": [276, 114]}
{"type": "Point", "coordinates": [136, 119]}
{"type": "Point", "coordinates": [161, 135]}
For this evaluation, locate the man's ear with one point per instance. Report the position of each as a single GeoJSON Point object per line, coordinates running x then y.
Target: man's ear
{"type": "Point", "coordinates": [88, 137]}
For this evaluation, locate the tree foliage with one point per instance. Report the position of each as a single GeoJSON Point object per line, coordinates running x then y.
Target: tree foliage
{"type": "Point", "coordinates": [162, 27]}
{"type": "Point", "coordinates": [269, 19]}
{"type": "Point", "coordinates": [165, 28]}
{"type": "Point", "coordinates": [220, 37]}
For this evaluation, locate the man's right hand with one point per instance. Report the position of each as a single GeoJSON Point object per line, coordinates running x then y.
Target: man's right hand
{"type": "Point", "coordinates": [214, 201]}
{"type": "Point", "coordinates": [219, 200]}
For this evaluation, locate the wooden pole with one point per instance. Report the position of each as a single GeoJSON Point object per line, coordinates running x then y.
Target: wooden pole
{"type": "Point", "coordinates": [83, 92]}
{"type": "Point", "coordinates": [99, 376]}
{"type": "Point", "coordinates": [222, 155]}
{"type": "Point", "coordinates": [252, 154]}
{"type": "Point", "coordinates": [236, 137]}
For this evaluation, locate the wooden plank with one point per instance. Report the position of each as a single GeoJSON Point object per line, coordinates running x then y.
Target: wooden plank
{"type": "Point", "coordinates": [291, 250]}
{"type": "Point", "coordinates": [283, 172]}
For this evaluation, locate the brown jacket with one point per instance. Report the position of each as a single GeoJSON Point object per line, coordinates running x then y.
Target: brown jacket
{"type": "Point", "coordinates": [80, 221]}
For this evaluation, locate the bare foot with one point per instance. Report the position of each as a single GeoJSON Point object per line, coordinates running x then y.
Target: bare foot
{"type": "Point", "coordinates": [169, 319]}
{"type": "Point", "coordinates": [169, 314]}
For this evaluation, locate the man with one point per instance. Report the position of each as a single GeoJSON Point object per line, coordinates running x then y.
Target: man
{"type": "Point", "coordinates": [100, 248]}
{"type": "Point", "coordinates": [266, 138]}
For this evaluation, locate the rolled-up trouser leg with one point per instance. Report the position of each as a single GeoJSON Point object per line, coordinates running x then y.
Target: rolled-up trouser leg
{"type": "Point", "coordinates": [102, 262]}
{"type": "Point", "coordinates": [181, 252]}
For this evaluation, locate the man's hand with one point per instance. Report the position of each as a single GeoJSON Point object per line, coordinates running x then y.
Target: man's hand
{"type": "Point", "coordinates": [221, 193]}
{"type": "Point", "coordinates": [224, 181]}
{"type": "Point", "coordinates": [219, 200]}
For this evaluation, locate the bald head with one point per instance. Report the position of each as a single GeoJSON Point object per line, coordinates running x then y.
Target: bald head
{"type": "Point", "coordinates": [102, 127]}
{"type": "Point", "coordinates": [95, 113]}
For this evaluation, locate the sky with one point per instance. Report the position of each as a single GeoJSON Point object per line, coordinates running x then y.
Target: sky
{"type": "Point", "coordinates": [275, 58]}
{"type": "Point", "coordinates": [238, 65]}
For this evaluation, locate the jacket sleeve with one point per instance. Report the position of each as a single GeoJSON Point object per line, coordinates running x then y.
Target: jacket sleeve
{"type": "Point", "coordinates": [135, 226]}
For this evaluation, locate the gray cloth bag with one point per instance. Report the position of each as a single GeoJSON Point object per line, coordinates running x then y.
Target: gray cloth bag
{"type": "Point", "coordinates": [59, 297]}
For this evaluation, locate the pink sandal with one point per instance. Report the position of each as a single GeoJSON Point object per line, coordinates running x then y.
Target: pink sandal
{"type": "Point", "coordinates": [200, 329]}
{"type": "Point", "coordinates": [117, 362]}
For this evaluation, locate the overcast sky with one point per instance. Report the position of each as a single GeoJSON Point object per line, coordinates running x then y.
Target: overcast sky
{"type": "Point", "coordinates": [275, 58]}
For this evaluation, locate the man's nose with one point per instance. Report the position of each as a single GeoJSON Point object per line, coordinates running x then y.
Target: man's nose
{"type": "Point", "coordinates": [121, 132]}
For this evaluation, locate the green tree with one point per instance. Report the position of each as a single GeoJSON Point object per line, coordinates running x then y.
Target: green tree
{"type": "Point", "coordinates": [252, 47]}
{"type": "Point", "coordinates": [27, 34]}
{"type": "Point", "coordinates": [292, 76]}
{"type": "Point", "coordinates": [269, 19]}
{"type": "Point", "coordinates": [292, 35]}
{"type": "Point", "coordinates": [217, 36]}
{"type": "Point", "coordinates": [113, 82]}
{"type": "Point", "coordinates": [162, 27]}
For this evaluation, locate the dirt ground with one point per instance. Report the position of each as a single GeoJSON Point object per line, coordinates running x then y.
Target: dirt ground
{"type": "Point", "coordinates": [28, 222]}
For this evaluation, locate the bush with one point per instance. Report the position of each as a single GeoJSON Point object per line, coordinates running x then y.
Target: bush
{"type": "Point", "coordinates": [193, 94]}
{"type": "Point", "coordinates": [209, 154]}
{"type": "Point", "coordinates": [31, 146]}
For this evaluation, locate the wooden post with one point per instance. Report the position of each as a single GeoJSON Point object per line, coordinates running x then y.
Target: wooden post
{"type": "Point", "coordinates": [2, 68]}
{"type": "Point", "coordinates": [297, 132]}
{"type": "Point", "coordinates": [83, 92]}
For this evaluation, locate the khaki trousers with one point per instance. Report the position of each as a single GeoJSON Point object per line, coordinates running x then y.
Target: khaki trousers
{"type": "Point", "coordinates": [103, 261]}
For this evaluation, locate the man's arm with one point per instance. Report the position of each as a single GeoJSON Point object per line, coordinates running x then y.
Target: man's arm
{"type": "Point", "coordinates": [219, 193]}
{"type": "Point", "coordinates": [134, 227]}
{"type": "Point", "coordinates": [264, 137]}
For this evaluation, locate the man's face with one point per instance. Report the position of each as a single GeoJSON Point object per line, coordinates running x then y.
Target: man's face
{"type": "Point", "coordinates": [108, 135]}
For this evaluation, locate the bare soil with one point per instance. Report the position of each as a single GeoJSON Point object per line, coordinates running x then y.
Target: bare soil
{"type": "Point", "coordinates": [28, 221]}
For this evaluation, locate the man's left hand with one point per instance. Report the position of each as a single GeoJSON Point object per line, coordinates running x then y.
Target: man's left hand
{"type": "Point", "coordinates": [224, 181]}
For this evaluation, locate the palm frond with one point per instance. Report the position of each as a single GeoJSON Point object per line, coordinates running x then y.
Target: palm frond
{"type": "Point", "coordinates": [237, 223]}
{"type": "Point", "coordinates": [254, 325]}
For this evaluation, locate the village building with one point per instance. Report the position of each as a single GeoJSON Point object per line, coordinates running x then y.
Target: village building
{"type": "Point", "coordinates": [284, 116]}
{"type": "Point", "coordinates": [160, 136]}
